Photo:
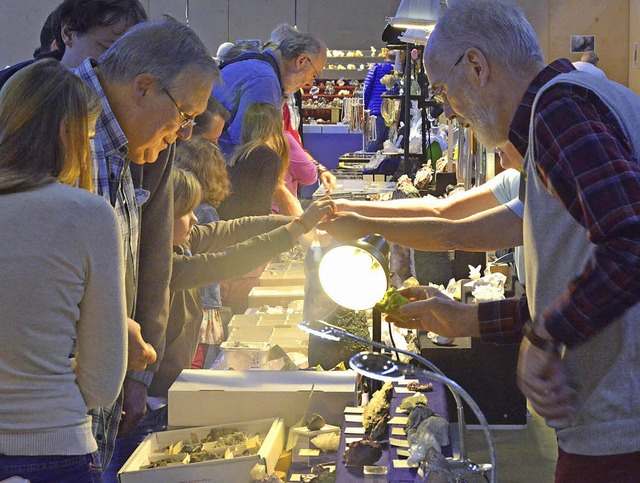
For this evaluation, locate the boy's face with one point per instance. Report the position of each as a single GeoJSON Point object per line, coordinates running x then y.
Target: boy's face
{"type": "Point", "coordinates": [182, 228]}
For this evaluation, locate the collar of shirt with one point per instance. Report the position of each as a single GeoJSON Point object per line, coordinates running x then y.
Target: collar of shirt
{"type": "Point", "coordinates": [519, 129]}
{"type": "Point", "coordinates": [113, 139]}
{"type": "Point", "coordinates": [278, 71]}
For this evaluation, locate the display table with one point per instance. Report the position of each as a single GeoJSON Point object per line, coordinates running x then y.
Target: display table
{"type": "Point", "coordinates": [301, 464]}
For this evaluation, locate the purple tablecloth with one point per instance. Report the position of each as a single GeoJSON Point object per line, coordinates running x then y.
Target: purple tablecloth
{"type": "Point", "coordinates": [437, 402]}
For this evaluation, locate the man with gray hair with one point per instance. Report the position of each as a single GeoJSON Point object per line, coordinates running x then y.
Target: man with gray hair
{"type": "Point", "coordinates": [152, 82]}
{"type": "Point", "coordinates": [579, 362]}
{"type": "Point", "coordinates": [266, 77]}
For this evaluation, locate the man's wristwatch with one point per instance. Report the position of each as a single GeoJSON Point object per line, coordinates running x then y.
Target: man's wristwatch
{"type": "Point", "coordinates": [550, 346]}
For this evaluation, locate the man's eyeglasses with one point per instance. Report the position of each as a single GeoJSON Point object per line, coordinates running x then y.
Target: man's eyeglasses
{"type": "Point", "coordinates": [316, 74]}
{"type": "Point", "coordinates": [186, 120]}
{"type": "Point", "coordinates": [438, 94]}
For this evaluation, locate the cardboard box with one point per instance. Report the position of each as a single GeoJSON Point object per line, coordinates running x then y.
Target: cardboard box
{"type": "Point", "coordinates": [244, 320]}
{"type": "Point", "coordinates": [272, 434]}
{"type": "Point", "coordinates": [259, 296]}
{"type": "Point", "coordinates": [250, 334]}
{"type": "Point", "coordinates": [250, 355]}
{"type": "Point", "coordinates": [201, 397]}
{"type": "Point", "coordinates": [283, 274]}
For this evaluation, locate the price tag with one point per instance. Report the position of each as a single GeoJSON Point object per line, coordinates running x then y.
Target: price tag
{"type": "Point", "coordinates": [353, 418]}
{"type": "Point", "coordinates": [309, 452]}
{"type": "Point", "coordinates": [402, 443]}
{"type": "Point", "coordinates": [403, 390]}
{"type": "Point", "coordinates": [399, 420]}
{"type": "Point", "coordinates": [353, 410]}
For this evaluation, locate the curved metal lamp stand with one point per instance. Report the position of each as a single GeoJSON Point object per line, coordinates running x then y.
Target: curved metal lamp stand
{"type": "Point", "coordinates": [397, 370]}
{"type": "Point", "coordinates": [325, 330]}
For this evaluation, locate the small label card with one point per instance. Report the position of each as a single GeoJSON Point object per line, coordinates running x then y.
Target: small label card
{"type": "Point", "coordinates": [403, 443]}
{"type": "Point", "coordinates": [353, 418]}
{"type": "Point", "coordinates": [374, 470]}
{"type": "Point", "coordinates": [354, 430]}
{"type": "Point", "coordinates": [401, 464]}
{"type": "Point", "coordinates": [299, 476]}
{"type": "Point", "coordinates": [309, 452]}
{"type": "Point", "coordinates": [398, 432]}
{"type": "Point", "coordinates": [399, 420]}
{"type": "Point", "coordinates": [353, 410]}
{"type": "Point", "coordinates": [404, 382]}
{"type": "Point", "coordinates": [348, 441]}
{"type": "Point", "coordinates": [403, 390]}
{"type": "Point", "coordinates": [403, 452]}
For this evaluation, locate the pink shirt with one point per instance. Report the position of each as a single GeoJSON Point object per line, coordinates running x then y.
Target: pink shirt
{"type": "Point", "coordinates": [302, 171]}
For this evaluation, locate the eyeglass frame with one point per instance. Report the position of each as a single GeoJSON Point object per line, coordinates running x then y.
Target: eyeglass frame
{"type": "Point", "coordinates": [437, 95]}
{"type": "Point", "coordinates": [315, 71]}
{"type": "Point", "coordinates": [186, 120]}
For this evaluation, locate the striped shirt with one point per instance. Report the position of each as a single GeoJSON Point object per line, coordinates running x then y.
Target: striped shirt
{"type": "Point", "coordinates": [584, 158]}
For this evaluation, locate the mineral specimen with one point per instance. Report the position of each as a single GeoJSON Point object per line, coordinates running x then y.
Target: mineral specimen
{"type": "Point", "coordinates": [315, 422]}
{"type": "Point", "coordinates": [363, 452]}
{"type": "Point", "coordinates": [409, 403]}
{"type": "Point", "coordinates": [391, 303]}
{"type": "Point", "coordinates": [417, 387]}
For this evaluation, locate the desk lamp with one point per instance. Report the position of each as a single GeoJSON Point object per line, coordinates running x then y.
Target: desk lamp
{"type": "Point", "coordinates": [327, 331]}
{"type": "Point", "coordinates": [383, 368]}
{"type": "Point", "coordinates": [355, 275]}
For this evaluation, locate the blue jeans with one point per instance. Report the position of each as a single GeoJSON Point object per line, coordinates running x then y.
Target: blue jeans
{"type": "Point", "coordinates": [151, 422]}
{"type": "Point", "coordinates": [53, 469]}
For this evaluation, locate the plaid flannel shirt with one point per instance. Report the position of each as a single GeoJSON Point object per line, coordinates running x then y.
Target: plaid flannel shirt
{"type": "Point", "coordinates": [112, 180]}
{"type": "Point", "coordinates": [586, 161]}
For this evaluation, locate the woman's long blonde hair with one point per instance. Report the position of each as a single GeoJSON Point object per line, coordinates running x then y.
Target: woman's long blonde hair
{"type": "Point", "coordinates": [262, 124]}
{"type": "Point", "coordinates": [186, 192]}
{"type": "Point", "coordinates": [34, 104]}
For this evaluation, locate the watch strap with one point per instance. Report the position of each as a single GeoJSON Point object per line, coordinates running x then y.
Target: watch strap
{"type": "Point", "coordinates": [546, 345]}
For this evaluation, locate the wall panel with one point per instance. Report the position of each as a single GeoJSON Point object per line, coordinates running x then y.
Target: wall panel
{"type": "Point", "coordinates": [608, 20]}
{"type": "Point", "coordinates": [20, 25]}
{"type": "Point", "coordinates": [350, 24]}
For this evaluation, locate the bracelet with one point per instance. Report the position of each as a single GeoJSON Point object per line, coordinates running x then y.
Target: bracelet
{"type": "Point", "coordinates": [304, 226]}
{"type": "Point", "coordinates": [550, 346]}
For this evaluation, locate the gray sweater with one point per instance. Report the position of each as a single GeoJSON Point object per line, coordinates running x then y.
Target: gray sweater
{"type": "Point", "coordinates": [603, 370]}
{"type": "Point", "coordinates": [60, 280]}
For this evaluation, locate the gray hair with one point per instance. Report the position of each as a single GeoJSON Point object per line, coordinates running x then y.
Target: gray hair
{"type": "Point", "coordinates": [294, 43]}
{"type": "Point", "coordinates": [496, 27]}
{"type": "Point", "coordinates": [282, 31]}
{"type": "Point", "coordinates": [163, 49]}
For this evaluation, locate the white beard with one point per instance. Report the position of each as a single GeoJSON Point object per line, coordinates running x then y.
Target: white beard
{"type": "Point", "coordinates": [484, 122]}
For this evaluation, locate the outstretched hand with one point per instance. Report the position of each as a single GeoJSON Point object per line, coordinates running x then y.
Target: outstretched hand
{"type": "Point", "coordinates": [328, 181]}
{"type": "Point", "coordinates": [345, 226]}
{"type": "Point", "coordinates": [317, 211]}
{"type": "Point", "coordinates": [430, 309]}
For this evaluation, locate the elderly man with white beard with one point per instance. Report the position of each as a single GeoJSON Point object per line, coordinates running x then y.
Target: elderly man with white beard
{"type": "Point", "coordinates": [579, 362]}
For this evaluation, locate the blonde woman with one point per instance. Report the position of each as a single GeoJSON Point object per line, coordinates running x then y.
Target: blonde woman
{"type": "Point", "coordinates": [259, 164]}
{"type": "Point", "coordinates": [60, 283]}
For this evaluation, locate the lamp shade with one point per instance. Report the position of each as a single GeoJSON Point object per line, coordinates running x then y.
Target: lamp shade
{"type": "Point", "coordinates": [356, 275]}
{"type": "Point", "coordinates": [417, 14]}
